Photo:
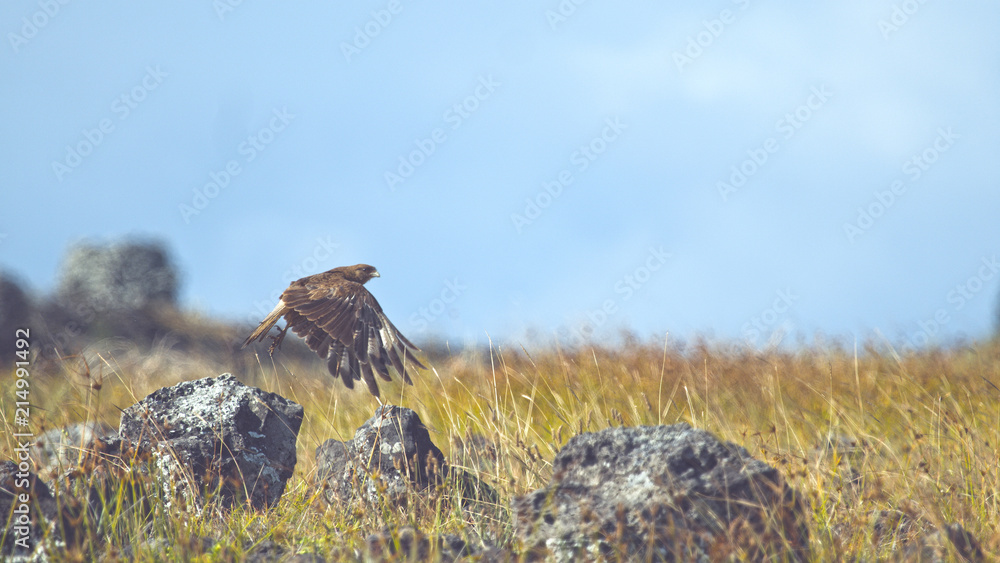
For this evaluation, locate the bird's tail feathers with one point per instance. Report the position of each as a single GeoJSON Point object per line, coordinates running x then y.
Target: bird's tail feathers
{"type": "Point", "coordinates": [265, 325]}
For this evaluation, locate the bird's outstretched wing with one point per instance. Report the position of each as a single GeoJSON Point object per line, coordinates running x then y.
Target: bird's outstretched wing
{"type": "Point", "coordinates": [345, 324]}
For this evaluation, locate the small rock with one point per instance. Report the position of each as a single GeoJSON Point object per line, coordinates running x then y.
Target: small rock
{"type": "Point", "coordinates": [63, 448]}
{"type": "Point", "coordinates": [33, 514]}
{"type": "Point", "coordinates": [270, 551]}
{"type": "Point", "coordinates": [413, 545]}
{"type": "Point", "coordinates": [390, 455]}
{"type": "Point", "coordinates": [965, 544]}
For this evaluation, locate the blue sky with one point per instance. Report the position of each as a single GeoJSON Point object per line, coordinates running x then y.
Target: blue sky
{"type": "Point", "coordinates": [747, 170]}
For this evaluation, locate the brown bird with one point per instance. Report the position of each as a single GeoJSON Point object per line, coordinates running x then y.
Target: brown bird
{"type": "Point", "coordinates": [341, 321]}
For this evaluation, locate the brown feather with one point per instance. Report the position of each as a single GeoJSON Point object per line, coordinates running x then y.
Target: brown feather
{"type": "Point", "coordinates": [342, 322]}
{"type": "Point", "coordinates": [266, 324]}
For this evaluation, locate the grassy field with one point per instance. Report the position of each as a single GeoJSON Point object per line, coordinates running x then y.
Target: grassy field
{"type": "Point", "coordinates": [885, 446]}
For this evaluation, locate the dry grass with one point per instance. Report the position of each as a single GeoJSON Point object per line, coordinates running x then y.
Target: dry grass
{"type": "Point", "coordinates": [884, 446]}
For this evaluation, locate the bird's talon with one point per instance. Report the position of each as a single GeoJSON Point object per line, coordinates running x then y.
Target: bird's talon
{"type": "Point", "coordinates": [276, 341]}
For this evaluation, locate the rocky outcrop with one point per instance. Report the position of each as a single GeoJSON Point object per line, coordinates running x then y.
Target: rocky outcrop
{"type": "Point", "coordinates": [665, 493]}
{"type": "Point", "coordinates": [215, 438]}
{"type": "Point", "coordinates": [120, 277]}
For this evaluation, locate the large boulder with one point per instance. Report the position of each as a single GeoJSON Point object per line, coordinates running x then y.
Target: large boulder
{"type": "Point", "coordinates": [216, 437]}
{"type": "Point", "coordinates": [117, 278]}
{"type": "Point", "coordinates": [662, 493]}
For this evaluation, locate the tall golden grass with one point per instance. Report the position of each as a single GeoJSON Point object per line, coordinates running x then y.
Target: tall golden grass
{"type": "Point", "coordinates": [885, 446]}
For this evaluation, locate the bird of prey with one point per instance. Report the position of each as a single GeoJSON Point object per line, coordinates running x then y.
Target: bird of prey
{"type": "Point", "coordinates": [342, 322]}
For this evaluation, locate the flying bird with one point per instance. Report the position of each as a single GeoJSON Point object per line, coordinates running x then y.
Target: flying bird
{"type": "Point", "coordinates": [341, 321]}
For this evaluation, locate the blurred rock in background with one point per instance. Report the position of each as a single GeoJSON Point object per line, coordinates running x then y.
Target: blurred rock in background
{"type": "Point", "coordinates": [16, 310]}
{"type": "Point", "coordinates": [119, 299]}
{"type": "Point", "coordinates": [120, 289]}
{"type": "Point", "coordinates": [123, 277]}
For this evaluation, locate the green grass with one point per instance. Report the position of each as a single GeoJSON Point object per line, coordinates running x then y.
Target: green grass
{"type": "Point", "coordinates": [883, 445]}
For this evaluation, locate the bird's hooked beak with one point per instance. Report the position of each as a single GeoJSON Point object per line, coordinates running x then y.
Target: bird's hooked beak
{"type": "Point", "coordinates": [375, 274]}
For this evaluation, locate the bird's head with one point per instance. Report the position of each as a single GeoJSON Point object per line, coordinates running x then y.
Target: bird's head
{"type": "Point", "coordinates": [360, 273]}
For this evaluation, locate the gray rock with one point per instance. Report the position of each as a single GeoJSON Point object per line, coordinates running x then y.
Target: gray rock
{"type": "Point", "coordinates": [335, 471]}
{"type": "Point", "coordinates": [216, 436]}
{"type": "Point", "coordinates": [410, 544]}
{"type": "Point", "coordinates": [391, 458]}
{"type": "Point", "coordinates": [118, 278]}
{"type": "Point", "coordinates": [939, 546]}
{"type": "Point", "coordinates": [270, 551]}
{"type": "Point", "coordinates": [911, 537]}
{"type": "Point", "coordinates": [965, 543]}
{"type": "Point", "coordinates": [63, 448]}
{"type": "Point", "coordinates": [390, 455]}
{"type": "Point", "coordinates": [35, 522]}
{"type": "Point", "coordinates": [661, 493]}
